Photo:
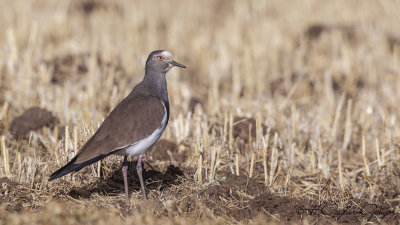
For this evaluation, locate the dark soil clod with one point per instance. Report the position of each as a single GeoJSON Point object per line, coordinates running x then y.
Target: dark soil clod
{"type": "Point", "coordinates": [241, 127]}
{"type": "Point", "coordinates": [161, 148]}
{"type": "Point", "coordinates": [32, 119]}
{"type": "Point", "coordinates": [314, 31]}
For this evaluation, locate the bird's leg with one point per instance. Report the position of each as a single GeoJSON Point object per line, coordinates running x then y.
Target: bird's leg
{"type": "Point", "coordinates": [139, 172]}
{"type": "Point", "coordinates": [125, 175]}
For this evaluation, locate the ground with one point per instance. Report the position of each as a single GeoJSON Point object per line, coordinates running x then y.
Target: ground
{"type": "Point", "coordinates": [288, 111]}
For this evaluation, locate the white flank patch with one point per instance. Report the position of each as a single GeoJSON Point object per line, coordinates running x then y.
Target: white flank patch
{"type": "Point", "coordinates": [141, 146]}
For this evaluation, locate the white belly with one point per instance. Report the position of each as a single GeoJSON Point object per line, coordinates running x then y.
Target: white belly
{"type": "Point", "coordinates": [143, 145]}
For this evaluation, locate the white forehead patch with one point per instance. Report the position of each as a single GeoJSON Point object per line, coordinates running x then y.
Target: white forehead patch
{"type": "Point", "coordinates": [167, 54]}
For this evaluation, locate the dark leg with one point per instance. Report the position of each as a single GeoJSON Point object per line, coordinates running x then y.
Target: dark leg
{"type": "Point", "coordinates": [125, 175]}
{"type": "Point", "coordinates": [139, 172]}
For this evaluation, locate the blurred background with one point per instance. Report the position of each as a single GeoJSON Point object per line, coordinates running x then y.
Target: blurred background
{"type": "Point", "coordinates": [247, 54]}
{"type": "Point", "coordinates": [317, 77]}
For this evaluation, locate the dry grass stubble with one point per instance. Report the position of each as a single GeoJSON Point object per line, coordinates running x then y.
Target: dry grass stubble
{"type": "Point", "coordinates": [285, 106]}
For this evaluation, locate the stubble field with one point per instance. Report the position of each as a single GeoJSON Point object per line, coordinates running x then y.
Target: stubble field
{"type": "Point", "coordinates": [288, 111]}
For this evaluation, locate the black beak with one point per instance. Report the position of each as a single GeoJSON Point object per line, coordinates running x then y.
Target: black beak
{"type": "Point", "coordinates": [175, 63]}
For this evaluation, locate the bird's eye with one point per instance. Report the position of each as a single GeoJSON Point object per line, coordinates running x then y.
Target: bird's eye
{"type": "Point", "coordinates": [160, 58]}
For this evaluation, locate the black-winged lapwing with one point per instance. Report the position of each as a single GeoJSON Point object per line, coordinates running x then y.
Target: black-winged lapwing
{"type": "Point", "coordinates": [134, 125]}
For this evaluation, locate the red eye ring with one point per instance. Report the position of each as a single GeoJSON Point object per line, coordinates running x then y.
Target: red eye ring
{"type": "Point", "coordinates": [160, 58]}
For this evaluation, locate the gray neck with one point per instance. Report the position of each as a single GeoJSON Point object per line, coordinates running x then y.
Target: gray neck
{"type": "Point", "coordinates": [156, 84]}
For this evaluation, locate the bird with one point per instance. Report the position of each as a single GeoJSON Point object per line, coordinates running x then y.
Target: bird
{"type": "Point", "coordinates": [134, 125]}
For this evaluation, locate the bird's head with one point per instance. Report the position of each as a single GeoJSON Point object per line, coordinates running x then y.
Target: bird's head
{"type": "Point", "coordinates": [161, 61]}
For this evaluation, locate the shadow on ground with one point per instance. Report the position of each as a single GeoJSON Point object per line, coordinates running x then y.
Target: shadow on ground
{"type": "Point", "coordinates": [114, 184]}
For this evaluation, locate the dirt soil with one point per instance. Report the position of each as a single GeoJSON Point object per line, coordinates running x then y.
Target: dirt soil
{"type": "Point", "coordinates": [32, 119]}
{"type": "Point", "coordinates": [230, 196]}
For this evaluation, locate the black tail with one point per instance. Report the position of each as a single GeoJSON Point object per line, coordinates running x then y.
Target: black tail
{"type": "Point", "coordinates": [71, 166]}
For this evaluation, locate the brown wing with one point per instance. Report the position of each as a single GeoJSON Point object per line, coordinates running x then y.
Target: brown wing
{"type": "Point", "coordinates": [133, 119]}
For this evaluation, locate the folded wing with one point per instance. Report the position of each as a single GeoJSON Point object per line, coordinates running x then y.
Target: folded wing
{"type": "Point", "coordinates": [132, 120]}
